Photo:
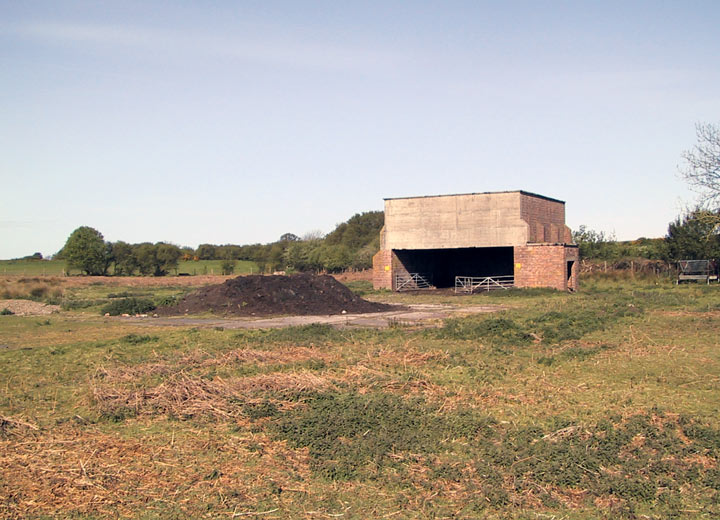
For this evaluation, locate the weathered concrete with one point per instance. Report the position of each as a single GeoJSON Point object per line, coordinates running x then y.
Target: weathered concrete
{"type": "Point", "coordinates": [473, 220]}
{"type": "Point", "coordinates": [453, 221]}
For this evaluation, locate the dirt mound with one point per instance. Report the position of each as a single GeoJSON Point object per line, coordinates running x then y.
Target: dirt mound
{"type": "Point", "coordinates": [300, 294]}
{"type": "Point", "coordinates": [28, 307]}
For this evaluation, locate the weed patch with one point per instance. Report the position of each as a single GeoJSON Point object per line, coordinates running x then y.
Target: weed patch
{"type": "Point", "coordinates": [308, 335]}
{"type": "Point", "coordinates": [352, 435]}
{"type": "Point", "coordinates": [550, 328]}
{"type": "Point", "coordinates": [137, 339]}
{"type": "Point", "coordinates": [128, 294]}
{"type": "Point", "coordinates": [645, 460]}
{"type": "Point", "coordinates": [69, 305]}
{"type": "Point", "coordinates": [498, 331]}
{"type": "Point", "coordinates": [530, 292]}
{"type": "Point", "coordinates": [128, 306]}
{"type": "Point", "coordinates": [635, 461]}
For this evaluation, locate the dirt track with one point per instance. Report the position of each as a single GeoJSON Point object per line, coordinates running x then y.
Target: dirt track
{"type": "Point", "coordinates": [421, 315]}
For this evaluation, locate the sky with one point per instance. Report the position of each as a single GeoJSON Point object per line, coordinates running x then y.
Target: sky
{"type": "Point", "coordinates": [238, 121]}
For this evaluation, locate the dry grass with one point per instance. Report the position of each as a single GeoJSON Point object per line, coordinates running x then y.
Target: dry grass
{"type": "Point", "coordinates": [184, 397]}
{"type": "Point", "coordinates": [200, 359]}
{"type": "Point", "coordinates": [16, 288]}
{"type": "Point", "coordinates": [89, 472]}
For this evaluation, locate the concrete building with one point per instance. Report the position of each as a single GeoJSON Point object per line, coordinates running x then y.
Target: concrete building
{"type": "Point", "coordinates": [514, 236]}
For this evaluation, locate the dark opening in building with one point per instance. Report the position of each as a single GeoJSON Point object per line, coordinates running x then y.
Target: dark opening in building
{"type": "Point", "coordinates": [443, 265]}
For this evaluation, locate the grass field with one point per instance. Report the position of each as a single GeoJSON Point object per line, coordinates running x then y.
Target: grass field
{"type": "Point", "coordinates": [58, 268]}
{"type": "Point", "coordinates": [600, 404]}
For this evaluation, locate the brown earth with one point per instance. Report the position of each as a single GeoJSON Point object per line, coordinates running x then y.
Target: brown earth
{"type": "Point", "coordinates": [254, 295]}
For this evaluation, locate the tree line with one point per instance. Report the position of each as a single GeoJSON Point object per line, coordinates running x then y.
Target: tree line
{"type": "Point", "coordinates": [350, 246]}
{"type": "Point", "coordinates": [692, 236]}
{"type": "Point", "coordinates": [695, 235]}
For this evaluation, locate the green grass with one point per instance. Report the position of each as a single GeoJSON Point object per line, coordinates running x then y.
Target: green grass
{"type": "Point", "coordinates": [32, 267]}
{"type": "Point", "coordinates": [600, 404]}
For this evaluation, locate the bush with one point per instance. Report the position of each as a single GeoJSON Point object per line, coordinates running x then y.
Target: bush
{"type": "Point", "coordinates": [167, 301]}
{"type": "Point", "coordinates": [347, 433]}
{"type": "Point", "coordinates": [137, 339]}
{"type": "Point", "coordinates": [498, 331]}
{"type": "Point", "coordinates": [228, 266]}
{"type": "Point", "coordinates": [69, 305]}
{"type": "Point", "coordinates": [128, 306]}
{"type": "Point", "coordinates": [127, 294]}
{"type": "Point", "coordinates": [6, 312]}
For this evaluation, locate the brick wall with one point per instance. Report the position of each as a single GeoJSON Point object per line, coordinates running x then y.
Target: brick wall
{"type": "Point", "coordinates": [545, 219]}
{"type": "Point", "coordinates": [543, 265]}
{"type": "Point", "coordinates": [382, 269]}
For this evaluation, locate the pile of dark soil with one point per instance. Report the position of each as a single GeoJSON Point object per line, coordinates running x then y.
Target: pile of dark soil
{"type": "Point", "coordinates": [300, 294]}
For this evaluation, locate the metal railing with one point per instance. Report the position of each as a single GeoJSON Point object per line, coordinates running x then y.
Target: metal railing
{"type": "Point", "coordinates": [471, 284]}
{"type": "Point", "coordinates": [412, 281]}
{"type": "Point", "coordinates": [698, 270]}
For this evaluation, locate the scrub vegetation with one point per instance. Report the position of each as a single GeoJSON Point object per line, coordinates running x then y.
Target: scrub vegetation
{"type": "Point", "coordinates": [599, 404]}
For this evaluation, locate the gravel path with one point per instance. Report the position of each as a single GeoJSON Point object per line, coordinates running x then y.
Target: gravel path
{"type": "Point", "coordinates": [420, 315]}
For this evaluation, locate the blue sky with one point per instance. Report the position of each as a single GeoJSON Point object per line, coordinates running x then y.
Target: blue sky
{"type": "Point", "coordinates": [235, 122]}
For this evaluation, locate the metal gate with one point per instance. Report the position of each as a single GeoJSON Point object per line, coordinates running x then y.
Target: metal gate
{"type": "Point", "coordinates": [412, 281]}
{"type": "Point", "coordinates": [471, 284]}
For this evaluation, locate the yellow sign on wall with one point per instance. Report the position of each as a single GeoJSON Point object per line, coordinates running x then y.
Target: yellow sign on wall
{"type": "Point", "coordinates": [387, 267]}
{"type": "Point", "coordinates": [518, 265]}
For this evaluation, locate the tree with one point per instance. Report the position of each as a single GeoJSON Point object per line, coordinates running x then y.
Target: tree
{"type": "Point", "coordinates": [358, 231]}
{"type": "Point", "coordinates": [86, 250]}
{"type": "Point", "coordinates": [227, 266]}
{"type": "Point", "coordinates": [702, 164]}
{"type": "Point", "coordinates": [124, 257]}
{"type": "Point", "coordinates": [275, 255]}
{"type": "Point", "coordinates": [167, 256]}
{"type": "Point", "coordinates": [145, 255]}
{"type": "Point", "coordinates": [207, 252]}
{"type": "Point", "coordinates": [315, 234]}
{"type": "Point", "coordinates": [595, 244]}
{"type": "Point", "coordinates": [289, 237]}
{"type": "Point", "coordinates": [694, 237]}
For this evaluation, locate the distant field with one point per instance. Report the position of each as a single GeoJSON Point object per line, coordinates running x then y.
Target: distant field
{"type": "Point", "coordinates": [57, 267]}
{"type": "Point", "coordinates": [32, 267]}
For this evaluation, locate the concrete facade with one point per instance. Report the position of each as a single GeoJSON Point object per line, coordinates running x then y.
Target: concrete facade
{"type": "Point", "coordinates": [476, 226]}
